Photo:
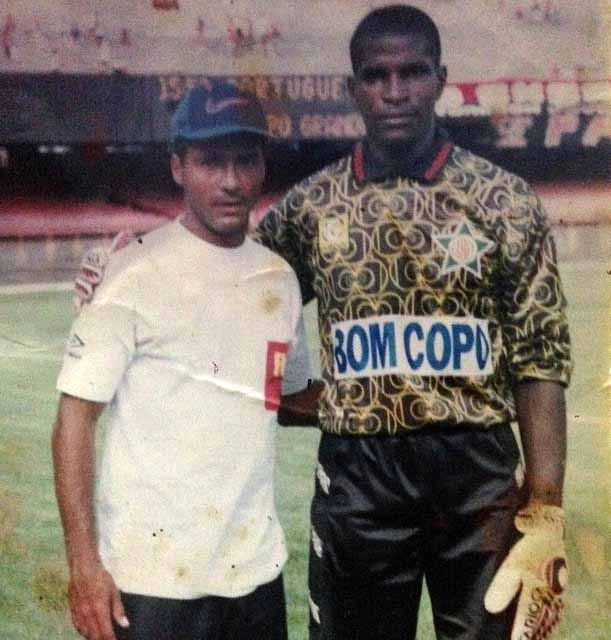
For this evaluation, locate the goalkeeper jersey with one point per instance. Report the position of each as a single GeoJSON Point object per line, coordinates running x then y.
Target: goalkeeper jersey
{"type": "Point", "coordinates": [436, 293]}
{"type": "Point", "coordinates": [188, 342]}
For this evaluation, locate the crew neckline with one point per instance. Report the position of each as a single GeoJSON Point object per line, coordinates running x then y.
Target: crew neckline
{"type": "Point", "coordinates": [210, 247]}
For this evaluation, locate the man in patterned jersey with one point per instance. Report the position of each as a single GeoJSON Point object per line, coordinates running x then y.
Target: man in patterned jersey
{"type": "Point", "coordinates": [188, 338]}
{"type": "Point", "coordinates": [441, 320]}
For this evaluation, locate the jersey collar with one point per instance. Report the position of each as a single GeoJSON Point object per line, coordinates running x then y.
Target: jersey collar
{"type": "Point", "coordinates": [425, 168]}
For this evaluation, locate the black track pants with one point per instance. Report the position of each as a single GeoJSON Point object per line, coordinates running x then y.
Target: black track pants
{"type": "Point", "coordinates": [389, 512]}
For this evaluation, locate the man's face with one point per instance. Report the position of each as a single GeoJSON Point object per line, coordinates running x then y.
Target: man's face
{"type": "Point", "coordinates": [395, 88]}
{"type": "Point", "coordinates": [221, 179]}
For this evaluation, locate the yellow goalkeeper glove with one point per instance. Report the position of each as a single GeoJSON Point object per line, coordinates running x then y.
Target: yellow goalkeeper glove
{"type": "Point", "coordinates": [536, 568]}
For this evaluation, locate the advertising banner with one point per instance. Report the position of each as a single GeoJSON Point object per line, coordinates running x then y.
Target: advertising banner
{"type": "Point", "coordinates": [121, 109]}
{"type": "Point", "coordinates": [522, 73]}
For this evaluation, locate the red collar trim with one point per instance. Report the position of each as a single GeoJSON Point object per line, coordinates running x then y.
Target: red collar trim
{"type": "Point", "coordinates": [441, 157]}
{"type": "Point", "coordinates": [358, 162]}
{"type": "Point", "coordinates": [438, 162]}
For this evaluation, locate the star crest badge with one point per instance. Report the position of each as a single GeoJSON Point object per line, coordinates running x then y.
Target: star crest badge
{"type": "Point", "coordinates": [463, 248]}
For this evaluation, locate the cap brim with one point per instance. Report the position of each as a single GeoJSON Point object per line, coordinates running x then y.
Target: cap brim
{"type": "Point", "coordinates": [219, 132]}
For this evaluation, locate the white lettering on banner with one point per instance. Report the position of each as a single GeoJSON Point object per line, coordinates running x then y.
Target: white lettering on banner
{"type": "Point", "coordinates": [559, 124]}
{"type": "Point", "coordinates": [451, 100]}
{"type": "Point", "coordinates": [419, 345]}
{"type": "Point", "coordinates": [596, 96]}
{"type": "Point", "coordinates": [296, 88]}
{"type": "Point", "coordinates": [563, 95]}
{"type": "Point", "coordinates": [598, 129]}
{"type": "Point", "coordinates": [495, 96]}
{"type": "Point", "coordinates": [527, 97]}
{"type": "Point", "coordinates": [512, 131]}
{"type": "Point", "coordinates": [332, 125]}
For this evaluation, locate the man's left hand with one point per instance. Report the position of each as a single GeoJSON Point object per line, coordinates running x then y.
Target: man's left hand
{"type": "Point", "coordinates": [536, 568]}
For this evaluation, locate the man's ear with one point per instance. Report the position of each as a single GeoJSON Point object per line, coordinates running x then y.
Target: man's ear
{"type": "Point", "coordinates": [176, 166]}
{"type": "Point", "coordinates": [442, 77]}
{"type": "Point", "coordinates": [351, 84]}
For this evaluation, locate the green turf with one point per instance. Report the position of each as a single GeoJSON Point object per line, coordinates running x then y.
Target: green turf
{"type": "Point", "coordinates": [32, 573]}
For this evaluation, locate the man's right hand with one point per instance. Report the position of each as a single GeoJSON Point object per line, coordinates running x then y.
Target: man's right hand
{"type": "Point", "coordinates": [92, 268]}
{"type": "Point", "coordinates": [94, 603]}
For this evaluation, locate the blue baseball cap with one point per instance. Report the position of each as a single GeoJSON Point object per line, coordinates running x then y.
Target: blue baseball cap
{"type": "Point", "coordinates": [221, 110]}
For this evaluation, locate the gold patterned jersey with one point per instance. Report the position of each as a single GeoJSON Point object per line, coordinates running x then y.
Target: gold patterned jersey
{"type": "Point", "coordinates": [435, 295]}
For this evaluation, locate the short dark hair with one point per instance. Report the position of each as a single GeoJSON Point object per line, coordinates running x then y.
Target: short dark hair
{"type": "Point", "coordinates": [396, 19]}
{"type": "Point", "coordinates": [180, 145]}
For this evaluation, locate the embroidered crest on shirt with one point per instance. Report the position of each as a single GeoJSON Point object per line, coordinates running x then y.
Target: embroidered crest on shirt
{"type": "Point", "coordinates": [333, 233]}
{"type": "Point", "coordinates": [463, 248]}
{"type": "Point", "coordinates": [270, 301]}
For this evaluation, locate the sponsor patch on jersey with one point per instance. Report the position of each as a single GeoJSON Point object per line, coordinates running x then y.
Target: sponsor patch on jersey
{"type": "Point", "coordinates": [411, 345]}
{"type": "Point", "coordinates": [463, 248]}
{"type": "Point", "coordinates": [275, 364]}
{"type": "Point", "coordinates": [333, 233]}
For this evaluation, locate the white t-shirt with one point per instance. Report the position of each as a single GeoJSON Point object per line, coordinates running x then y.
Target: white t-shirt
{"type": "Point", "coordinates": [188, 342]}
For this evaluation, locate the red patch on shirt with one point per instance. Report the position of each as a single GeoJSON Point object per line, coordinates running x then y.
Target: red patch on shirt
{"type": "Point", "coordinates": [274, 372]}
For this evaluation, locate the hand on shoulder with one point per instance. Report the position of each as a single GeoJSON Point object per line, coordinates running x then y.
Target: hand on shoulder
{"type": "Point", "coordinates": [93, 267]}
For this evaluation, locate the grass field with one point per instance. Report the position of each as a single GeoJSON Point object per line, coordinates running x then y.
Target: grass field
{"type": "Point", "coordinates": [32, 573]}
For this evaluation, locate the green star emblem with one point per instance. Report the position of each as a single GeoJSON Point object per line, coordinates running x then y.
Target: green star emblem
{"type": "Point", "coordinates": [463, 248]}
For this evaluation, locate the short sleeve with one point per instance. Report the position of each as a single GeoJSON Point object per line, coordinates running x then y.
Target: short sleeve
{"type": "Point", "coordinates": [98, 351]}
{"type": "Point", "coordinates": [298, 371]}
{"type": "Point", "coordinates": [535, 327]}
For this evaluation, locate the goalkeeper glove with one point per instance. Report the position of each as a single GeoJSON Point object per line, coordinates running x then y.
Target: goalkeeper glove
{"type": "Point", "coordinates": [536, 567]}
{"type": "Point", "coordinates": [92, 268]}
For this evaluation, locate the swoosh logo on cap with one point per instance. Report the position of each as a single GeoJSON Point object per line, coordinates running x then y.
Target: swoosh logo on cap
{"type": "Point", "coordinates": [213, 106]}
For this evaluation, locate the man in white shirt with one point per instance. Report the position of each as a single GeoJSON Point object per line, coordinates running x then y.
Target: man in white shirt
{"type": "Point", "coordinates": [187, 339]}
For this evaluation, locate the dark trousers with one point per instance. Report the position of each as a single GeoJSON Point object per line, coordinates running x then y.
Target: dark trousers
{"type": "Point", "coordinates": [390, 512]}
{"type": "Point", "coordinates": [260, 615]}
